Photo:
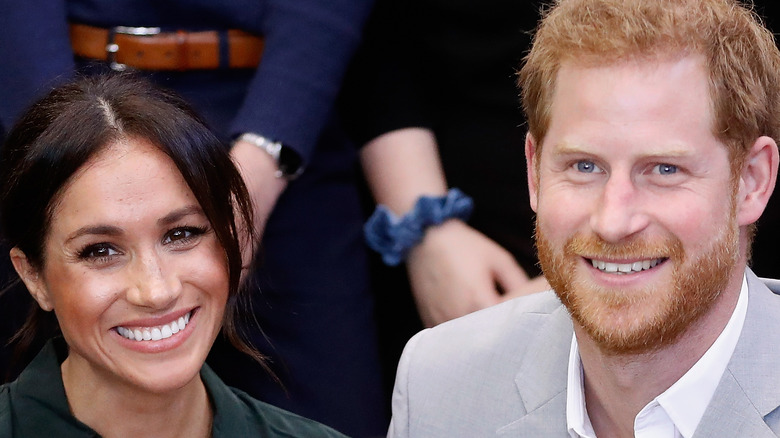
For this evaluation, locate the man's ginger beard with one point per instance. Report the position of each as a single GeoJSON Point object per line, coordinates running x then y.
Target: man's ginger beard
{"type": "Point", "coordinates": [645, 319]}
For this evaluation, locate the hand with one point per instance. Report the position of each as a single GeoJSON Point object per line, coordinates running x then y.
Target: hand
{"type": "Point", "coordinates": [257, 168]}
{"type": "Point", "coordinates": [455, 270]}
{"type": "Point", "coordinates": [532, 286]}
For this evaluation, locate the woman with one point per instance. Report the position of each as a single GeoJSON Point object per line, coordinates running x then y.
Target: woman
{"type": "Point", "coordinates": [119, 205]}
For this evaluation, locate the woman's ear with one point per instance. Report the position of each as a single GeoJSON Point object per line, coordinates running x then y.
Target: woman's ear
{"type": "Point", "coordinates": [31, 278]}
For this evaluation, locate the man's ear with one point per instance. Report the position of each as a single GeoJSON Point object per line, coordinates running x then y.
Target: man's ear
{"type": "Point", "coordinates": [531, 171]}
{"type": "Point", "coordinates": [31, 278]}
{"type": "Point", "coordinates": [757, 180]}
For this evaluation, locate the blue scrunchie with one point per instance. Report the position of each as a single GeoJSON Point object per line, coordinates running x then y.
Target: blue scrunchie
{"type": "Point", "coordinates": [394, 237]}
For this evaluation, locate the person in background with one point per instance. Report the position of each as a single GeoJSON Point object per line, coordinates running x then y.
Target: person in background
{"type": "Point", "coordinates": [270, 69]}
{"type": "Point", "coordinates": [650, 154]}
{"type": "Point", "coordinates": [125, 218]}
{"type": "Point", "coordinates": [439, 89]}
{"type": "Point", "coordinates": [435, 105]}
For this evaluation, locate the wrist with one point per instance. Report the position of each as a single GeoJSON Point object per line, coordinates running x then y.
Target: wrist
{"type": "Point", "coordinates": [289, 164]}
{"type": "Point", "coordinates": [393, 237]}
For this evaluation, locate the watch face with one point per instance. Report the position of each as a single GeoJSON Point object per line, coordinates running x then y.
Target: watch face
{"type": "Point", "coordinates": [290, 164]}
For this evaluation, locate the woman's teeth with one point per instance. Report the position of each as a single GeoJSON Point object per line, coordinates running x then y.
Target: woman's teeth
{"type": "Point", "coordinates": [155, 333]}
{"type": "Point", "coordinates": [625, 268]}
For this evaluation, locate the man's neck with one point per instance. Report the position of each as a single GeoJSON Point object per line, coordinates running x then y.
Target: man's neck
{"type": "Point", "coordinates": [617, 387]}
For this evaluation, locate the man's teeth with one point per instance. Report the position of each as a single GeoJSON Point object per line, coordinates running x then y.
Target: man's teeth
{"type": "Point", "coordinates": [624, 268]}
{"type": "Point", "coordinates": [155, 333]}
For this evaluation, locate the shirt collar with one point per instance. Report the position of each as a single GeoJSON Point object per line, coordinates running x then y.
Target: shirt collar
{"type": "Point", "coordinates": [229, 412]}
{"type": "Point", "coordinates": [686, 400]}
{"type": "Point", "coordinates": [39, 398]}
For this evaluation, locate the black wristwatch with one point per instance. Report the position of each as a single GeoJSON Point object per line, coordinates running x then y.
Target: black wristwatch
{"type": "Point", "coordinates": [289, 164]}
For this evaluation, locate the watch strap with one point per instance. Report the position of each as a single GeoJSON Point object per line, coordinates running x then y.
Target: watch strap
{"type": "Point", "coordinates": [288, 164]}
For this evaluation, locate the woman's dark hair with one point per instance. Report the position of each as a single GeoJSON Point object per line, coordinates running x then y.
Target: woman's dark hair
{"type": "Point", "coordinates": [75, 122]}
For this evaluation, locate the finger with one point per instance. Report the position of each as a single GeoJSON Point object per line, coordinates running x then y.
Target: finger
{"type": "Point", "coordinates": [472, 297]}
{"type": "Point", "coordinates": [508, 274]}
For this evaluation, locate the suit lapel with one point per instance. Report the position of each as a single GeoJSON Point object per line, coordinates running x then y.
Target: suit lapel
{"type": "Point", "coordinates": [549, 420]}
{"type": "Point", "coordinates": [541, 380]}
{"type": "Point", "coordinates": [732, 411]}
{"type": "Point", "coordinates": [750, 387]}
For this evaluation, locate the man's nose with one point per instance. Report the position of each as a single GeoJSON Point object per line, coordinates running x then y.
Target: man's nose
{"type": "Point", "coordinates": [618, 212]}
{"type": "Point", "coordinates": [152, 285]}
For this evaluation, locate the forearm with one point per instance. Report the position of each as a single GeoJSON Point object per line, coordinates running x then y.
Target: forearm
{"type": "Point", "coordinates": [308, 45]}
{"type": "Point", "coordinates": [257, 169]}
{"type": "Point", "coordinates": [402, 165]}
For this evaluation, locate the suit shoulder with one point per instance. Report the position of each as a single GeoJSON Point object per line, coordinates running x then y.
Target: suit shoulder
{"type": "Point", "coordinates": [505, 327]}
{"type": "Point", "coordinates": [460, 378]}
{"type": "Point", "coordinates": [510, 315]}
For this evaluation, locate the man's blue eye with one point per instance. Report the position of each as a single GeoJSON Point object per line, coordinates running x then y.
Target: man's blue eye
{"type": "Point", "coordinates": [586, 166]}
{"type": "Point", "coordinates": [667, 169]}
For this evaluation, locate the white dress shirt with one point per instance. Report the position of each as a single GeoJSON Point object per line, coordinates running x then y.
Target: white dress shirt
{"type": "Point", "coordinates": [677, 411]}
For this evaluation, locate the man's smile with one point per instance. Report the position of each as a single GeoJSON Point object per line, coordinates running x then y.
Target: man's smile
{"type": "Point", "coordinates": [625, 268]}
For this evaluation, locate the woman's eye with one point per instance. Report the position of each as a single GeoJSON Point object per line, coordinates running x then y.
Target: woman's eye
{"type": "Point", "coordinates": [98, 251]}
{"type": "Point", "coordinates": [183, 234]}
{"type": "Point", "coordinates": [585, 166]}
{"type": "Point", "coordinates": [665, 169]}
{"type": "Point", "coordinates": [179, 234]}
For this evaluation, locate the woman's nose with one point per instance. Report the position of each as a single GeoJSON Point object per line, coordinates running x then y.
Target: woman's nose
{"type": "Point", "coordinates": [152, 284]}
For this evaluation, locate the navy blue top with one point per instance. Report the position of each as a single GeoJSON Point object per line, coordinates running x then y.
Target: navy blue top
{"type": "Point", "coordinates": [308, 44]}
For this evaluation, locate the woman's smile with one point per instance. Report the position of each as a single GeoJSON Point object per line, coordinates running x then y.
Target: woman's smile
{"type": "Point", "coordinates": [155, 333]}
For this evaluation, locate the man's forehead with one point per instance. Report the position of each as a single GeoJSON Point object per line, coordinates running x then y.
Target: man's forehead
{"type": "Point", "coordinates": [658, 107]}
{"type": "Point", "coordinates": [630, 90]}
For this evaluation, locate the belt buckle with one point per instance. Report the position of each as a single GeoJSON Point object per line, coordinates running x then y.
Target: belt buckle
{"type": "Point", "coordinates": [112, 47]}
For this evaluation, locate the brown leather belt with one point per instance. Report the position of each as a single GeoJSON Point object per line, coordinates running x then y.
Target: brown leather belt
{"type": "Point", "coordinates": [149, 49]}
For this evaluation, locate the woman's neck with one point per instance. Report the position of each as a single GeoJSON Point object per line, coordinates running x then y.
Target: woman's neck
{"type": "Point", "coordinates": [116, 410]}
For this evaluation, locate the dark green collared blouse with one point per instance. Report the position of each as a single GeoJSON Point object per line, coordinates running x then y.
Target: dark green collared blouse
{"type": "Point", "coordinates": [35, 406]}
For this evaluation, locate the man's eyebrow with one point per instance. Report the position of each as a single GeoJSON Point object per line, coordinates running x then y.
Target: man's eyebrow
{"type": "Point", "coordinates": [179, 214]}
{"type": "Point", "coordinates": [566, 147]}
{"type": "Point", "coordinates": [671, 151]}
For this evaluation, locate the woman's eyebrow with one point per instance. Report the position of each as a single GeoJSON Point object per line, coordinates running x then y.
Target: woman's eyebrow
{"type": "Point", "coordinates": [103, 230]}
{"type": "Point", "coordinates": [112, 230]}
{"type": "Point", "coordinates": [179, 214]}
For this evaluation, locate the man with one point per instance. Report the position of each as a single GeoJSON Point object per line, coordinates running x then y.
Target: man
{"type": "Point", "coordinates": [650, 155]}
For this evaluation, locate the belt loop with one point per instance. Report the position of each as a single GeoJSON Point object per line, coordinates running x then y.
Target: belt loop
{"type": "Point", "coordinates": [224, 49]}
{"type": "Point", "coordinates": [183, 49]}
{"type": "Point", "coordinates": [111, 48]}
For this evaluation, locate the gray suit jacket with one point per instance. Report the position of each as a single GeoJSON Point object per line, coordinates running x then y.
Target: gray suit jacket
{"type": "Point", "coordinates": [502, 372]}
